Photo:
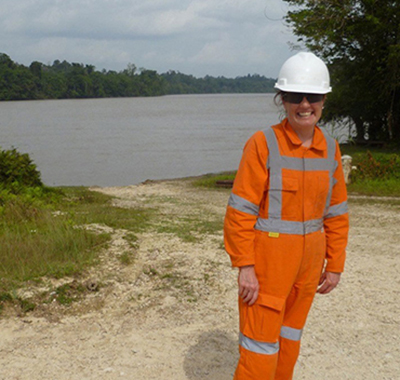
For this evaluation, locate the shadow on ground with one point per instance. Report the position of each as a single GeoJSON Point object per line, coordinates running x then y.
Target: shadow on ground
{"type": "Point", "coordinates": [214, 356]}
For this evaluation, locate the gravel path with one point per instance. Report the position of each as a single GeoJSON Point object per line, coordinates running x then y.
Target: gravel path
{"type": "Point", "coordinates": [172, 313]}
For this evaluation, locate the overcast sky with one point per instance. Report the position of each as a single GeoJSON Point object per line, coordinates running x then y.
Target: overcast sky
{"type": "Point", "coordinates": [199, 37]}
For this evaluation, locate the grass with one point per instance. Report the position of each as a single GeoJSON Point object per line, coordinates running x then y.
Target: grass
{"type": "Point", "coordinates": [35, 243]}
{"type": "Point", "coordinates": [376, 187]}
{"type": "Point", "coordinates": [132, 240]}
{"type": "Point", "coordinates": [47, 238]}
{"type": "Point", "coordinates": [68, 293]}
{"type": "Point", "coordinates": [190, 228]}
{"type": "Point", "coordinates": [170, 279]}
{"type": "Point", "coordinates": [87, 207]}
{"type": "Point", "coordinates": [209, 180]}
{"type": "Point", "coordinates": [126, 258]}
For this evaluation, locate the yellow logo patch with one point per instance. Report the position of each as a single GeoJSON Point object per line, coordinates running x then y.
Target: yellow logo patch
{"type": "Point", "coordinates": [273, 234]}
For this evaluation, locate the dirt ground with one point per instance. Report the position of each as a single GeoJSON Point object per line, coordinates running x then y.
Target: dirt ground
{"type": "Point", "coordinates": [172, 313]}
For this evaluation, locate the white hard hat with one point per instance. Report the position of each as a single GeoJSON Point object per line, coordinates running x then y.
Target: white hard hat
{"type": "Point", "coordinates": [304, 72]}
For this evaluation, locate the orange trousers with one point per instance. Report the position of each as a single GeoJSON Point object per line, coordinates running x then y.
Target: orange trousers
{"type": "Point", "coordinates": [288, 268]}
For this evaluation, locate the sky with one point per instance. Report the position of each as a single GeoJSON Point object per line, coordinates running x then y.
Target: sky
{"type": "Point", "coordinates": [199, 37]}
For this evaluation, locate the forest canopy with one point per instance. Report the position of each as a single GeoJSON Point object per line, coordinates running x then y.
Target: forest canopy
{"type": "Point", "coordinates": [64, 80]}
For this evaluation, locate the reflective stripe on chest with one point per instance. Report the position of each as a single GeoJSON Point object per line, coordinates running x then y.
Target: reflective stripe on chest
{"type": "Point", "coordinates": [281, 186]}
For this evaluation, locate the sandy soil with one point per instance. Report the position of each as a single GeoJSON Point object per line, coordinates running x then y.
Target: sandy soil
{"type": "Point", "coordinates": [172, 314]}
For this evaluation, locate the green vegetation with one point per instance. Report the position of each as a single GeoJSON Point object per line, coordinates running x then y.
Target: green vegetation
{"type": "Point", "coordinates": [126, 258]}
{"type": "Point", "coordinates": [190, 228]}
{"type": "Point", "coordinates": [35, 242]}
{"type": "Point", "coordinates": [209, 180]}
{"type": "Point", "coordinates": [170, 279]}
{"type": "Point", "coordinates": [377, 173]}
{"type": "Point", "coordinates": [43, 233]}
{"type": "Point", "coordinates": [389, 187]}
{"type": "Point", "coordinates": [360, 41]}
{"type": "Point", "coordinates": [64, 80]}
{"type": "Point", "coordinates": [178, 83]}
{"type": "Point", "coordinates": [17, 169]}
{"type": "Point", "coordinates": [68, 293]}
{"type": "Point", "coordinates": [91, 207]}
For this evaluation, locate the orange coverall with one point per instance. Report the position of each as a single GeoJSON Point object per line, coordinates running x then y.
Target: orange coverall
{"type": "Point", "coordinates": [287, 215]}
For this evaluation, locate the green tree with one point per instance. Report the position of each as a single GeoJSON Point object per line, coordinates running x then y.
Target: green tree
{"type": "Point", "coordinates": [36, 69]}
{"type": "Point", "coordinates": [360, 41]}
{"type": "Point", "coordinates": [130, 70]}
{"type": "Point", "coordinates": [151, 83]}
{"type": "Point", "coordinates": [16, 81]}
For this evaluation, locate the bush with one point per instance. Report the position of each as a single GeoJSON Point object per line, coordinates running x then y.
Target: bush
{"type": "Point", "coordinates": [377, 166]}
{"type": "Point", "coordinates": [17, 171]}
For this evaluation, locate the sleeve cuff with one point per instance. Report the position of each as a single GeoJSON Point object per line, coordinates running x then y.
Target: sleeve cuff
{"type": "Point", "coordinates": [242, 260]}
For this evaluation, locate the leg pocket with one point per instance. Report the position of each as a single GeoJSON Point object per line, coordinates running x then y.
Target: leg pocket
{"type": "Point", "coordinates": [262, 321]}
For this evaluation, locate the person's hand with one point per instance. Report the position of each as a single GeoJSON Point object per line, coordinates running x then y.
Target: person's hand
{"type": "Point", "coordinates": [248, 284]}
{"type": "Point", "coordinates": [328, 282]}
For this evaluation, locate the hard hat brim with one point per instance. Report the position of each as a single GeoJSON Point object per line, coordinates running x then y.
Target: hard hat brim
{"type": "Point", "coordinates": [303, 89]}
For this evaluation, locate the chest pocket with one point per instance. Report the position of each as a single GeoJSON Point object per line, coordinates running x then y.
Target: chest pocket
{"type": "Point", "coordinates": [291, 205]}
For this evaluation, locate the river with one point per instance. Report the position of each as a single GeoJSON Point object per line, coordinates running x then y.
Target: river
{"type": "Point", "coordinates": [124, 141]}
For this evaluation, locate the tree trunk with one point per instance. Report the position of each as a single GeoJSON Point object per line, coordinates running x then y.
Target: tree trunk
{"type": "Point", "coordinates": [394, 120]}
{"type": "Point", "coordinates": [360, 129]}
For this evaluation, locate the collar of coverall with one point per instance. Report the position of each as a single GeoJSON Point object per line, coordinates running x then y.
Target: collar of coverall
{"type": "Point", "coordinates": [318, 142]}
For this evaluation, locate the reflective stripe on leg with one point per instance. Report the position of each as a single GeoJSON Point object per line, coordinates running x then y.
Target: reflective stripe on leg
{"type": "Point", "coordinates": [254, 366]}
{"type": "Point", "coordinates": [291, 333]}
{"type": "Point", "coordinates": [252, 345]}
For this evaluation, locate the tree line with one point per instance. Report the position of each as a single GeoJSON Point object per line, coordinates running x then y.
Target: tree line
{"type": "Point", "coordinates": [64, 80]}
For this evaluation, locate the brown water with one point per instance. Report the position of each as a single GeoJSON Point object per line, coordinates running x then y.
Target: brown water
{"type": "Point", "coordinates": [125, 141]}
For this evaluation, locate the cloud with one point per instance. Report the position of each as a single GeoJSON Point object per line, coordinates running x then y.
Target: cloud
{"type": "Point", "coordinates": [105, 19]}
{"type": "Point", "coordinates": [225, 37]}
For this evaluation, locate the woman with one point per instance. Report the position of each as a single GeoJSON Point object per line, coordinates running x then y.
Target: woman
{"type": "Point", "coordinates": [286, 223]}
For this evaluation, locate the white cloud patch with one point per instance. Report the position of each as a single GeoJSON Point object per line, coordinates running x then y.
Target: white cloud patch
{"type": "Point", "coordinates": [225, 37]}
{"type": "Point", "coordinates": [104, 19]}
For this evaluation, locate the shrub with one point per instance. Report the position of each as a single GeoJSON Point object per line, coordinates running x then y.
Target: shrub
{"type": "Point", "coordinates": [377, 166]}
{"type": "Point", "coordinates": [17, 171]}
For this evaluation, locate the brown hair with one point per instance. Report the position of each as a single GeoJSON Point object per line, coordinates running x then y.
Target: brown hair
{"type": "Point", "coordinates": [278, 98]}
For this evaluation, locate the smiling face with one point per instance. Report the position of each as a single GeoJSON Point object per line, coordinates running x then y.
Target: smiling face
{"type": "Point", "coordinates": [304, 115]}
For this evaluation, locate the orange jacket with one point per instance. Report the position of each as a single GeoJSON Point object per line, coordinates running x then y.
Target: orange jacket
{"type": "Point", "coordinates": [307, 193]}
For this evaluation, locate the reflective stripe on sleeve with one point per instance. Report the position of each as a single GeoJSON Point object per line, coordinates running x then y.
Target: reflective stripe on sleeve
{"type": "Point", "coordinates": [243, 205]}
{"type": "Point", "coordinates": [289, 227]}
{"type": "Point", "coordinates": [336, 210]}
{"type": "Point", "coordinates": [258, 347]}
{"type": "Point", "coordinates": [331, 157]}
{"type": "Point", "coordinates": [291, 333]}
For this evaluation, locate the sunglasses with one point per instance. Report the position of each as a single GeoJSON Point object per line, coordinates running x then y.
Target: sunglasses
{"type": "Point", "coordinates": [297, 97]}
